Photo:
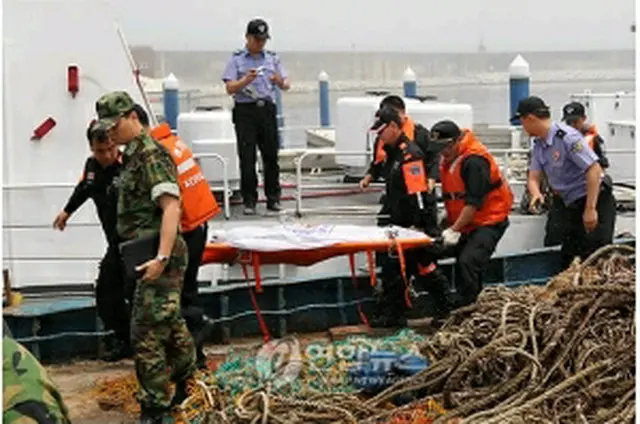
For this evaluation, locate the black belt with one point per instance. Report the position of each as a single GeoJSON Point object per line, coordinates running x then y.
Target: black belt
{"type": "Point", "coordinates": [257, 103]}
{"type": "Point", "coordinates": [578, 202]}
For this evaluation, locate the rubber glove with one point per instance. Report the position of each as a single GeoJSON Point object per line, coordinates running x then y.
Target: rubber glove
{"type": "Point", "coordinates": [450, 237]}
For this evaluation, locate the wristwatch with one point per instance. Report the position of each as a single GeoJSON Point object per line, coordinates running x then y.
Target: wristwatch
{"type": "Point", "coordinates": [162, 258]}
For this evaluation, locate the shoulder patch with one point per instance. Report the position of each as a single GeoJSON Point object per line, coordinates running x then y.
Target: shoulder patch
{"type": "Point", "coordinates": [578, 147]}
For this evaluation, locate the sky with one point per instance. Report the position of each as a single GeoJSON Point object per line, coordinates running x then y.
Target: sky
{"type": "Point", "coordinates": [377, 25]}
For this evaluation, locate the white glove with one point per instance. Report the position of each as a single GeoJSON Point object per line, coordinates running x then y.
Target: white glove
{"type": "Point", "coordinates": [450, 237]}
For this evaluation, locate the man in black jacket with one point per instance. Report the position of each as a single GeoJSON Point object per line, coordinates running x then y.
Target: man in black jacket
{"type": "Point", "coordinates": [411, 204]}
{"type": "Point", "coordinates": [380, 166]}
{"type": "Point", "coordinates": [98, 182]}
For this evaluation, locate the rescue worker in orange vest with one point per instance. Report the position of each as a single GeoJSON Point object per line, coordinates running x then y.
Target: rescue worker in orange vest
{"type": "Point", "coordinates": [574, 114]}
{"type": "Point", "coordinates": [407, 190]}
{"type": "Point", "coordinates": [198, 206]}
{"type": "Point", "coordinates": [379, 167]}
{"type": "Point", "coordinates": [477, 200]}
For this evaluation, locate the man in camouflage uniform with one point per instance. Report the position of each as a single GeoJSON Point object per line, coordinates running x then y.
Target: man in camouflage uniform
{"type": "Point", "coordinates": [148, 205]}
{"type": "Point", "coordinates": [29, 395]}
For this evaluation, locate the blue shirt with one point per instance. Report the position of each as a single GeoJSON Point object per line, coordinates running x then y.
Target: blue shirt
{"type": "Point", "coordinates": [261, 87]}
{"type": "Point", "coordinates": [564, 156]}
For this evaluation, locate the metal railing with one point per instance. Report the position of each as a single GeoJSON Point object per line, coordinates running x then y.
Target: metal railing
{"type": "Point", "coordinates": [506, 168]}
{"type": "Point", "coordinates": [225, 180]}
{"type": "Point", "coordinates": [300, 159]}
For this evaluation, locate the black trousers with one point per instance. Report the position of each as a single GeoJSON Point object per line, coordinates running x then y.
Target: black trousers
{"type": "Point", "coordinates": [112, 295]}
{"type": "Point", "coordinates": [257, 126]}
{"type": "Point", "coordinates": [472, 254]}
{"type": "Point", "coordinates": [191, 311]}
{"type": "Point", "coordinates": [576, 241]}
{"type": "Point", "coordinates": [383, 221]}
{"type": "Point", "coordinates": [392, 299]}
{"type": "Point", "coordinates": [556, 222]}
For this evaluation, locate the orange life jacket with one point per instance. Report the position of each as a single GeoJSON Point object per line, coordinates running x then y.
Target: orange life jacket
{"type": "Point", "coordinates": [590, 135]}
{"type": "Point", "coordinates": [198, 203]}
{"type": "Point", "coordinates": [408, 128]}
{"type": "Point", "coordinates": [497, 204]}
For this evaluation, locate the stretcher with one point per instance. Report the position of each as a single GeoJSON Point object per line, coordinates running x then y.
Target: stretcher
{"type": "Point", "coordinates": [305, 245]}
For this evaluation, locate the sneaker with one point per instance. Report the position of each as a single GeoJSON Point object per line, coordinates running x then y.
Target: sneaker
{"type": "Point", "coordinates": [249, 210]}
{"type": "Point", "coordinates": [274, 206]}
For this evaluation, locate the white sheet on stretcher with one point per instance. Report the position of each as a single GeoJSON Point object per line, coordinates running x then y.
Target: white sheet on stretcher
{"type": "Point", "coordinates": [306, 237]}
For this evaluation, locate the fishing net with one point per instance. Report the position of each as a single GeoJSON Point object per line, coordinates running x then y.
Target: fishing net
{"type": "Point", "coordinates": [319, 366]}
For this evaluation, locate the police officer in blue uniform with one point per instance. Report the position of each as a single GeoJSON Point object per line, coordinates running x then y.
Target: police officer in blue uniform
{"type": "Point", "coordinates": [574, 114]}
{"type": "Point", "coordinates": [251, 77]}
{"type": "Point", "coordinates": [561, 153]}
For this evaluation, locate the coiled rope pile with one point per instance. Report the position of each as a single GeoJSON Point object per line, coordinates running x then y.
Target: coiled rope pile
{"type": "Point", "coordinates": [564, 353]}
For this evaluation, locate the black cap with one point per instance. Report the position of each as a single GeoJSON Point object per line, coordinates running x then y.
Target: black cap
{"type": "Point", "coordinates": [258, 28]}
{"type": "Point", "coordinates": [573, 111]}
{"type": "Point", "coordinates": [445, 131]}
{"type": "Point", "coordinates": [385, 116]}
{"type": "Point", "coordinates": [393, 101]}
{"type": "Point", "coordinates": [528, 106]}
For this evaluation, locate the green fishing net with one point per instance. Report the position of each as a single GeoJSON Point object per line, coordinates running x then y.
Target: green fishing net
{"type": "Point", "coordinates": [288, 367]}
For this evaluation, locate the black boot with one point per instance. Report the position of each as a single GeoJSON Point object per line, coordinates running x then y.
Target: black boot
{"type": "Point", "coordinates": [181, 393]}
{"type": "Point", "coordinates": [390, 307]}
{"type": "Point", "coordinates": [206, 327]}
{"type": "Point", "coordinates": [388, 320]}
{"type": "Point", "coordinates": [117, 350]}
{"type": "Point", "coordinates": [387, 314]}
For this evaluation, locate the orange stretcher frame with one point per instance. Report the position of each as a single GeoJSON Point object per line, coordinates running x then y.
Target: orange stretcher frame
{"type": "Point", "coordinates": [223, 253]}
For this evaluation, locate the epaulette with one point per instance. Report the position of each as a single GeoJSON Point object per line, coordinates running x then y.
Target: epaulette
{"type": "Point", "coordinates": [560, 133]}
{"type": "Point", "coordinates": [237, 52]}
{"type": "Point", "coordinates": [270, 53]}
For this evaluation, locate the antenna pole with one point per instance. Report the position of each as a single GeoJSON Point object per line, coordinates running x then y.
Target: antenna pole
{"type": "Point", "coordinates": [136, 73]}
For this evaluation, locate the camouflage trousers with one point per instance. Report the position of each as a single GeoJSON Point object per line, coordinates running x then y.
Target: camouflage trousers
{"type": "Point", "coordinates": [29, 395]}
{"type": "Point", "coordinates": [162, 343]}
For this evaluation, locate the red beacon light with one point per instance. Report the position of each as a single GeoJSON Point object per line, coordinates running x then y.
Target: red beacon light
{"type": "Point", "coordinates": [73, 80]}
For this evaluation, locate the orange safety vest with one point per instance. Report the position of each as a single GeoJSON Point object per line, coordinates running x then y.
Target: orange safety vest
{"type": "Point", "coordinates": [198, 203]}
{"type": "Point", "coordinates": [408, 128]}
{"type": "Point", "coordinates": [497, 204]}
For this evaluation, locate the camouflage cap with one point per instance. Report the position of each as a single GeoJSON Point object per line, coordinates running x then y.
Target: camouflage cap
{"type": "Point", "coordinates": [110, 107]}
